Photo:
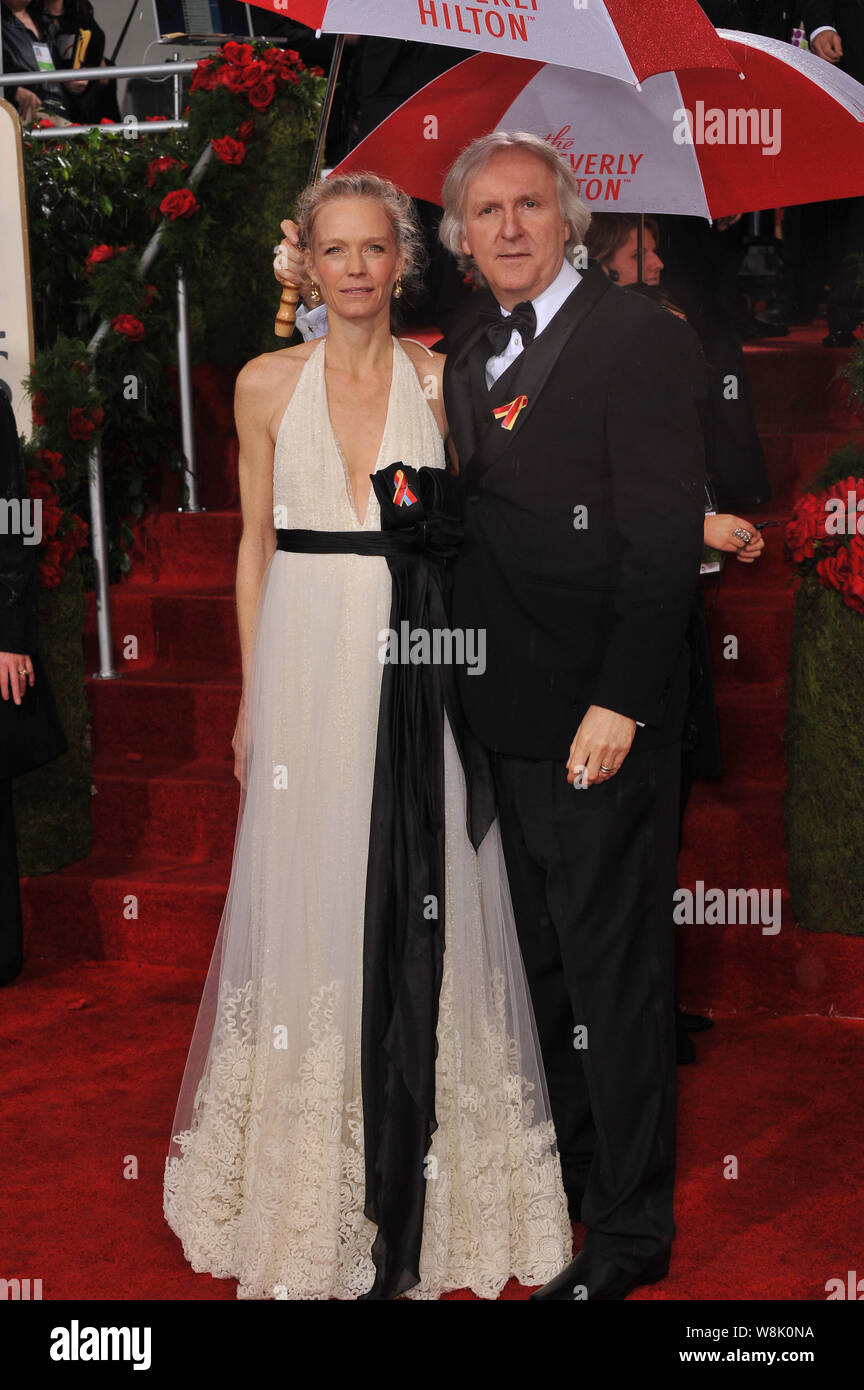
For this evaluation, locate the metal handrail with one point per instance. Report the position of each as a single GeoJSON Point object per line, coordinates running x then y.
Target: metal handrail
{"type": "Point", "coordinates": [68, 132]}
{"type": "Point", "coordinates": [61, 75]}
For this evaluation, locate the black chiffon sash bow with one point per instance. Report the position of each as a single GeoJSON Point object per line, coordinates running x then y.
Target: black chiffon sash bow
{"type": "Point", "coordinates": [403, 940]}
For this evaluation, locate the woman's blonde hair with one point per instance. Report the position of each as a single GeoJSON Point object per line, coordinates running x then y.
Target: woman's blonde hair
{"type": "Point", "coordinates": [474, 158]}
{"type": "Point", "coordinates": [397, 205]}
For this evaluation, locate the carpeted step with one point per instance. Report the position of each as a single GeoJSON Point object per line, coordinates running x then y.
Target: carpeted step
{"type": "Point", "coordinates": [752, 722]}
{"type": "Point", "coordinates": [186, 550]}
{"type": "Point", "coordinates": [740, 969]}
{"type": "Point", "coordinates": [734, 835]}
{"type": "Point", "coordinates": [185, 715]}
{"type": "Point", "coordinates": [795, 382]}
{"type": "Point", "coordinates": [88, 910]}
{"type": "Point", "coordinates": [164, 807]}
{"type": "Point", "coordinates": [171, 626]}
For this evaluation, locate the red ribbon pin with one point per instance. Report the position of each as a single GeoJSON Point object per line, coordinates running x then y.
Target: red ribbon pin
{"type": "Point", "coordinates": [508, 414]}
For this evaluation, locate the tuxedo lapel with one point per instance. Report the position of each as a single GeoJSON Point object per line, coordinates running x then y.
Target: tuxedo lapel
{"type": "Point", "coordinates": [527, 375]}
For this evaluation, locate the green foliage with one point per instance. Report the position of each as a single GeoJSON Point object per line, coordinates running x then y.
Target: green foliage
{"type": "Point", "coordinates": [825, 758]}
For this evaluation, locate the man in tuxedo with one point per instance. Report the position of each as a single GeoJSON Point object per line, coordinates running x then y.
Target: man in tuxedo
{"type": "Point", "coordinates": [574, 410]}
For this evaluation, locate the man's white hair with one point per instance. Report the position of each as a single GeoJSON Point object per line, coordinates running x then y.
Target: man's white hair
{"type": "Point", "coordinates": [474, 158]}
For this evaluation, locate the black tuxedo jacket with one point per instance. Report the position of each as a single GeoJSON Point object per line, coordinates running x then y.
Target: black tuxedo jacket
{"type": "Point", "coordinates": [579, 607]}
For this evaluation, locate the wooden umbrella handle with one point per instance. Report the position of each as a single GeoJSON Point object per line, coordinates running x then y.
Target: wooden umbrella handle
{"type": "Point", "coordinates": [287, 311]}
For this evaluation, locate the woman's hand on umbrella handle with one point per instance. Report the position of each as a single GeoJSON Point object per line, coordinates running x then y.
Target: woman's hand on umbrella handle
{"type": "Point", "coordinates": [289, 265]}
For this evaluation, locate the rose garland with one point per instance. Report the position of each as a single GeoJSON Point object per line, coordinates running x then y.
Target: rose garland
{"type": "Point", "coordinates": [113, 185]}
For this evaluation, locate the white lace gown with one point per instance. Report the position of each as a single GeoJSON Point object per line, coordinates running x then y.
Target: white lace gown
{"type": "Point", "coordinates": [264, 1181]}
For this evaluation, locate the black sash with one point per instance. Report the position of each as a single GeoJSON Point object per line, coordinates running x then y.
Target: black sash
{"type": "Point", "coordinates": [403, 935]}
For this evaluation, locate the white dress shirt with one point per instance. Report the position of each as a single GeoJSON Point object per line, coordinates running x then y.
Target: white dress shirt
{"type": "Point", "coordinates": [546, 305]}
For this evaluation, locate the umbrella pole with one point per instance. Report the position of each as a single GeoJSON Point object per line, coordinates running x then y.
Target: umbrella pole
{"type": "Point", "coordinates": [640, 233]}
{"type": "Point", "coordinates": [287, 311]}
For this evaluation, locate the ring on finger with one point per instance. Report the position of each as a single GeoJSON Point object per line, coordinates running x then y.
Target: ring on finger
{"type": "Point", "coordinates": [743, 534]}
{"type": "Point", "coordinates": [604, 768]}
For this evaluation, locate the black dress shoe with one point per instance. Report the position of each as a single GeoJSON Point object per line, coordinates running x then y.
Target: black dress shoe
{"type": "Point", "coordinates": [695, 1023]}
{"type": "Point", "coordinates": [841, 337]}
{"type": "Point", "coordinates": [598, 1278]}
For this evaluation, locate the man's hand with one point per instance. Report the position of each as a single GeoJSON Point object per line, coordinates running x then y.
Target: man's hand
{"type": "Point", "coordinates": [289, 267]}
{"type": "Point", "coordinates": [28, 103]}
{"type": "Point", "coordinates": [602, 740]}
{"type": "Point", "coordinates": [12, 681]}
{"type": "Point", "coordinates": [828, 45]}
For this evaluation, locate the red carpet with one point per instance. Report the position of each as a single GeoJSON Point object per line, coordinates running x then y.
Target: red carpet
{"type": "Point", "coordinates": [778, 1084]}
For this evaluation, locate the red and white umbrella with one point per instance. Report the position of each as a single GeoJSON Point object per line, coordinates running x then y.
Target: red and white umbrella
{"type": "Point", "coordinates": [626, 39]}
{"type": "Point", "coordinates": [706, 143]}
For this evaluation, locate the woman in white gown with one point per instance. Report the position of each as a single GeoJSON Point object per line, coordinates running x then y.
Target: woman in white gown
{"type": "Point", "coordinates": [269, 1173]}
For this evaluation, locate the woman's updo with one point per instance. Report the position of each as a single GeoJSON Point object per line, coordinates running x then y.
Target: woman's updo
{"type": "Point", "coordinates": [397, 205]}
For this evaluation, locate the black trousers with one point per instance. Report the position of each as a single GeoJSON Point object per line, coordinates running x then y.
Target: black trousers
{"type": "Point", "coordinates": [10, 896]}
{"type": "Point", "coordinates": [592, 873]}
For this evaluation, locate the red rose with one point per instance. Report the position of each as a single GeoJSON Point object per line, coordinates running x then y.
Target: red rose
{"type": "Point", "coordinates": [45, 124]}
{"type": "Point", "coordinates": [255, 72]}
{"type": "Point", "coordinates": [834, 569]}
{"type": "Point", "coordinates": [316, 72]}
{"type": "Point", "coordinates": [38, 407]}
{"type": "Point", "coordinates": [106, 120]}
{"type": "Point", "coordinates": [37, 484]}
{"type": "Point", "coordinates": [292, 55]}
{"type": "Point", "coordinates": [237, 52]}
{"type": "Point", "coordinates": [206, 76]}
{"type": "Point", "coordinates": [52, 462]}
{"type": "Point", "coordinates": [96, 413]}
{"type": "Point", "coordinates": [233, 78]}
{"type": "Point", "coordinates": [183, 203]}
{"type": "Point", "coordinates": [150, 293]}
{"type": "Point", "coordinates": [289, 77]}
{"type": "Point", "coordinates": [261, 95]}
{"type": "Point", "coordinates": [129, 327]}
{"type": "Point", "coordinates": [805, 527]}
{"type": "Point", "coordinates": [853, 592]}
{"type": "Point", "coordinates": [230, 151]}
{"type": "Point", "coordinates": [97, 254]}
{"type": "Point", "coordinates": [155, 118]}
{"type": "Point", "coordinates": [159, 166]}
{"type": "Point", "coordinates": [245, 131]}
{"type": "Point", "coordinates": [79, 426]}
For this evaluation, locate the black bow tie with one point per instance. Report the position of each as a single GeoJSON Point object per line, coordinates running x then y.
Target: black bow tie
{"type": "Point", "coordinates": [499, 329]}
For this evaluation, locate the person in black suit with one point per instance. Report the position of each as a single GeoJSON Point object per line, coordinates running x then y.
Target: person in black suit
{"type": "Point", "coordinates": [574, 407]}
{"type": "Point", "coordinates": [836, 32]}
{"type": "Point", "coordinates": [30, 731]}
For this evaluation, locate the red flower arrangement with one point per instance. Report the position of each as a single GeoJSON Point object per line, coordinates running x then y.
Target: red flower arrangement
{"type": "Point", "coordinates": [236, 68]}
{"type": "Point", "coordinates": [127, 326]}
{"type": "Point", "coordinates": [181, 203]}
{"type": "Point", "coordinates": [230, 151]}
{"type": "Point", "coordinates": [82, 423]}
{"type": "Point", "coordinates": [97, 254]}
{"type": "Point", "coordinates": [160, 166]}
{"type": "Point", "coordinates": [818, 541]}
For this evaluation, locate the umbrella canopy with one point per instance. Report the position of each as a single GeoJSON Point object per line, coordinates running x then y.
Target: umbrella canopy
{"type": "Point", "coordinates": [613, 37]}
{"type": "Point", "coordinates": [704, 143]}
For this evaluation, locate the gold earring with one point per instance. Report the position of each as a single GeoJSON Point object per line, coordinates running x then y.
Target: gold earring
{"type": "Point", "coordinates": [316, 292]}
{"type": "Point", "coordinates": [397, 288]}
